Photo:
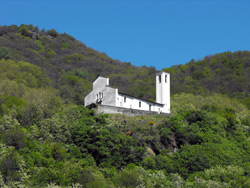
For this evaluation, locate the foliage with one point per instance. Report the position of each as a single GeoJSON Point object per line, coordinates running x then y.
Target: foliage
{"type": "Point", "coordinates": [60, 54]}
{"type": "Point", "coordinates": [5, 53]}
{"type": "Point", "coordinates": [213, 102]}
{"type": "Point", "coordinates": [225, 73]}
{"type": "Point", "coordinates": [48, 139]}
{"type": "Point", "coordinates": [23, 73]}
{"type": "Point", "coordinates": [52, 33]}
{"type": "Point", "coordinates": [25, 31]}
{"type": "Point", "coordinates": [65, 45]}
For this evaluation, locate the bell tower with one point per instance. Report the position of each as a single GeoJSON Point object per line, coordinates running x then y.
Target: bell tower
{"type": "Point", "coordinates": [163, 90]}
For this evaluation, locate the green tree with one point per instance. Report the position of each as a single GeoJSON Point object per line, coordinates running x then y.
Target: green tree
{"type": "Point", "coordinates": [25, 31]}
{"type": "Point", "coordinates": [52, 33]}
{"type": "Point", "coordinates": [5, 53]}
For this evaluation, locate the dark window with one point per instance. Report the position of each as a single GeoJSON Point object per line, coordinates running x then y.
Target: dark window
{"type": "Point", "coordinates": [159, 78]}
{"type": "Point", "coordinates": [140, 104]}
{"type": "Point", "coordinates": [125, 99]}
{"type": "Point", "coordinates": [150, 107]}
{"type": "Point", "coordinates": [165, 78]}
{"type": "Point", "coordinates": [96, 96]}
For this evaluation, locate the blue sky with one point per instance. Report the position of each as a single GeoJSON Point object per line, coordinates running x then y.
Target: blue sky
{"type": "Point", "coordinates": [158, 33]}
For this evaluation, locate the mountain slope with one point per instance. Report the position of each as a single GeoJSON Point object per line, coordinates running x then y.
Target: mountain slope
{"type": "Point", "coordinates": [48, 140]}
{"type": "Point", "coordinates": [71, 65]}
{"type": "Point", "coordinates": [226, 73]}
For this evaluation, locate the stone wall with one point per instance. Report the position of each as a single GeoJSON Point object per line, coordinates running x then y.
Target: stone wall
{"type": "Point", "coordinates": [125, 111]}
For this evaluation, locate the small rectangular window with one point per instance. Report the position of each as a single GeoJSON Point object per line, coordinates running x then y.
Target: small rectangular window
{"type": "Point", "coordinates": [159, 78]}
{"type": "Point", "coordinates": [165, 78]}
{"type": "Point", "coordinates": [140, 104]}
{"type": "Point", "coordinates": [125, 99]}
{"type": "Point", "coordinates": [96, 96]}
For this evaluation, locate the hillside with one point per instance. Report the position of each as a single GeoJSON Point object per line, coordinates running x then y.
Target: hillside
{"type": "Point", "coordinates": [71, 66]}
{"type": "Point", "coordinates": [49, 139]}
{"type": "Point", "coordinates": [226, 73]}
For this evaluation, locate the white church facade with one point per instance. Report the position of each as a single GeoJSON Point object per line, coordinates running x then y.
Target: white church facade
{"type": "Point", "coordinates": [109, 98]}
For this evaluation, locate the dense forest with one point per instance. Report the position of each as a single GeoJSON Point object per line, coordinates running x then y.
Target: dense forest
{"type": "Point", "coordinates": [49, 139]}
{"type": "Point", "coordinates": [226, 73]}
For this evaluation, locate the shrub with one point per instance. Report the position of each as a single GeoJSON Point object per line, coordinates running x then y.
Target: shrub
{"type": "Point", "coordinates": [65, 45]}
{"type": "Point", "coordinates": [10, 165]}
{"type": "Point", "coordinates": [5, 53]}
{"type": "Point", "coordinates": [148, 163]}
{"type": "Point", "coordinates": [52, 33]}
{"type": "Point", "coordinates": [151, 123]}
{"type": "Point", "coordinates": [127, 178]}
{"type": "Point", "coordinates": [25, 31]}
{"type": "Point", "coordinates": [14, 137]}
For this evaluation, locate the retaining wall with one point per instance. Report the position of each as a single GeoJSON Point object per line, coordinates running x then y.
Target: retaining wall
{"type": "Point", "coordinates": [125, 111]}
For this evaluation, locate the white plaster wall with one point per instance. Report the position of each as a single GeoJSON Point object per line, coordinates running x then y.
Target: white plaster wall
{"type": "Point", "coordinates": [129, 101]}
{"type": "Point", "coordinates": [100, 83]}
{"type": "Point", "coordinates": [108, 94]}
{"type": "Point", "coordinates": [158, 89]}
{"type": "Point", "coordinates": [89, 99]}
{"type": "Point", "coordinates": [167, 110]}
{"type": "Point", "coordinates": [133, 103]}
{"type": "Point", "coordinates": [163, 90]}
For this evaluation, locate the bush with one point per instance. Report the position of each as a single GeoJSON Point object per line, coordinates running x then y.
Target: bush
{"type": "Point", "coordinates": [149, 163]}
{"type": "Point", "coordinates": [5, 53]}
{"type": "Point", "coordinates": [52, 33]}
{"type": "Point", "coordinates": [14, 137]}
{"type": "Point", "coordinates": [10, 165]}
{"type": "Point", "coordinates": [25, 31]}
{"type": "Point", "coordinates": [127, 178]}
{"type": "Point", "coordinates": [65, 45]}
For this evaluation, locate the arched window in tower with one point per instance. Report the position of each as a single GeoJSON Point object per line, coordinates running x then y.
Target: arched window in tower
{"type": "Point", "coordinates": [159, 78]}
{"type": "Point", "coordinates": [166, 78]}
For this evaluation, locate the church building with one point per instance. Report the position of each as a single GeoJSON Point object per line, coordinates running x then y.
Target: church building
{"type": "Point", "coordinates": [110, 100]}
